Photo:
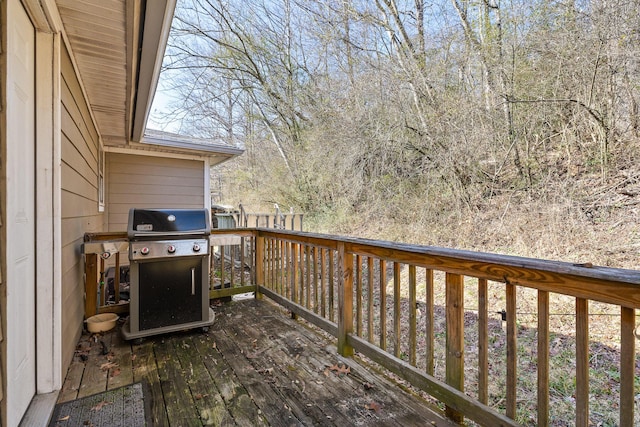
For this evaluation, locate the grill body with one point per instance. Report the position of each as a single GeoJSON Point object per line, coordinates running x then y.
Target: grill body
{"type": "Point", "coordinates": [169, 257]}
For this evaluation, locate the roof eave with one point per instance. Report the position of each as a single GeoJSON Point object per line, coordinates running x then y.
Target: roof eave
{"type": "Point", "coordinates": [157, 23]}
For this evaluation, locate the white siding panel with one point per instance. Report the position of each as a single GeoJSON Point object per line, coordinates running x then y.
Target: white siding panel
{"type": "Point", "coordinates": [151, 182]}
{"type": "Point", "coordinates": [79, 201]}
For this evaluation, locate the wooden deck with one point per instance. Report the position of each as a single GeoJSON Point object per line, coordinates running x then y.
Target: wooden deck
{"type": "Point", "coordinates": [255, 366]}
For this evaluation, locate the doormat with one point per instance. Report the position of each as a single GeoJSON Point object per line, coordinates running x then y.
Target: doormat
{"type": "Point", "coordinates": [123, 406]}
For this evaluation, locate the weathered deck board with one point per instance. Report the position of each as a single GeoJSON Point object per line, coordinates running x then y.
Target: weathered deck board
{"type": "Point", "coordinates": [94, 378]}
{"type": "Point", "coordinates": [145, 369]}
{"type": "Point", "coordinates": [120, 352]}
{"type": "Point", "coordinates": [178, 399]}
{"type": "Point", "coordinates": [256, 366]}
{"type": "Point", "coordinates": [209, 404]}
{"type": "Point", "coordinates": [239, 403]}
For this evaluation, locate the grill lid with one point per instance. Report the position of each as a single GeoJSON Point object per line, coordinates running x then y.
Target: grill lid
{"type": "Point", "coordinates": [154, 223]}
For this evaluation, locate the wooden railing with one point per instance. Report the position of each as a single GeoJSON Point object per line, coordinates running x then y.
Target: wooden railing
{"type": "Point", "coordinates": [365, 293]}
{"type": "Point", "coordinates": [428, 315]}
{"type": "Point", "coordinates": [277, 219]}
{"type": "Point", "coordinates": [106, 255]}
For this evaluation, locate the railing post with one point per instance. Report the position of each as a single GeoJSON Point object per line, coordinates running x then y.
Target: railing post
{"type": "Point", "coordinates": [455, 338]}
{"type": "Point", "coordinates": [627, 365]}
{"type": "Point", "coordinates": [345, 300]}
{"type": "Point", "coordinates": [90, 285]}
{"type": "Point", "coordinates": [259, 265]}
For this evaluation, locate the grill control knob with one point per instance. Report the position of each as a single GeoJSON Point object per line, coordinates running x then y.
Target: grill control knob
{"type": "Point", "coordinates": [171, 249]}
{"type": "Point", "coordinates": [144, 251]}
{"type": "Point", "coordinates": [196, 247]}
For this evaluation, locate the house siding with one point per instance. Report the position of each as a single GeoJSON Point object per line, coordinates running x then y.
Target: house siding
{"type": "Point", "coordinates": [79, 200]}
{"type": "Point", "coordinates": [151, 182]}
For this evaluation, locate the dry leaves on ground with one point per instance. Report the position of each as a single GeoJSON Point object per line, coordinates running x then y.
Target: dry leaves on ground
{"type": "Point", "coordinates": [108, 365]}
{"type": "Point", "coordinates": [340, 369]}
{"type": "Point", "coordinates": [373, 406]}
{"type": "Point", "coordinates": [100, 405]}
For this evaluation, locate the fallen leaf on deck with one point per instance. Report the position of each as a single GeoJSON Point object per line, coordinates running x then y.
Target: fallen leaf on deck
{"type": "Point", "coordinates": [266, 371]}
{"type": "Point", "coordinates": [108, 365]}
{"type": "Point", "coordinates": [326, 372]}
{"type": "Point", "coordinates": [373, 406]}
{"type": "Point", "coordinates": [115, 372]}
{"type": "Point", "coordinates": [368, 386]}
{"type": "Point", "coordinates": [133, 357]}
{"type": "Point", "coordinates": [64, 418]}
{"type": "Point", "coordinates": [199, 396]}
{"type": "Point", "coordinates": [100, 405]}
{"type": "Point", "coordinates": [344, 369]}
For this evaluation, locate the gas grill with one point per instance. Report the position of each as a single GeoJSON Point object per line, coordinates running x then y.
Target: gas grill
{"type": "Point", "coordinates": [169, 258]}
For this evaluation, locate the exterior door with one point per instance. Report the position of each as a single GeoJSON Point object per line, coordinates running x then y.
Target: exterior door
{"type": "Point", "coordinates": [20, 221]}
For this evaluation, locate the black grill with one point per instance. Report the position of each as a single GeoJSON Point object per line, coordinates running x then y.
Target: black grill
{"type": "Point", "coordinates": [169, 254]}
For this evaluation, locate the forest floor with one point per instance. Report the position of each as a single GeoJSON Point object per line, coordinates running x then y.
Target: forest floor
{"type": "Point", "coordinates": [593, 220]}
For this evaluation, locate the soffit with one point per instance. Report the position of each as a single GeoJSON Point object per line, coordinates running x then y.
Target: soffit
{"type": "Point", "coordinates": [101, 34]}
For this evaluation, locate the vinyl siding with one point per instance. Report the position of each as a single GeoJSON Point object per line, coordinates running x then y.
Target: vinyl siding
{"type": "Point", "coordinates": [79, 201]}
{"type": "Point", "coordinates": [151, 182]}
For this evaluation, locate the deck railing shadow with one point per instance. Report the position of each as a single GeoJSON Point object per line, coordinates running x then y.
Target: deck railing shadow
{"type": "Point", "coordinates": [410, 309]}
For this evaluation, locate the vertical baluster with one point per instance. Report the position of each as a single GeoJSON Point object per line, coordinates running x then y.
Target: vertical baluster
{"type": "Point", "coordinates": [232, 255]}
{"type": "Point", "coordinates": [455, 337]}
{"type": "Point", "coordinates": [242, 261]}
{"type": "Point", "coordinates": [259, 242]}
{"type": "Point", "coordinates": [103, 278]}
{"type": "Point", "coordinates": [483, 342]}
{"type": "Point", "coordinates": [582, 362]}
{"type": "Point", "coordinates": [307, 266]}
{"type": "Point", "coordinates": [301, 288]}
{"type": "Point", "coordinates": [116, 280]}
{"type": "Point", "coordinates": [396, 309]}
{"type": "Point", "coordinates": [370, 300]}
{"type": "Point", "coordinates": [331, 290]}
{"type": "Point", "coordinates": [543, 358]}
{"type": "Point", "coordinates": [429, 316]}
{"type": "Point", "coordinates": [383, 304]}
{"type": "Point", "coordinates": [512, 351]}
{"type": "Point", "coordinates": [295, 252]}
{"type": "Point", "coordinates": [212, 266]}
{"type": "Point", "coordinates": [323, 281]}
{"type": "Point", "coordinates": [627, 365]}
{"type": "Point", "coordinates": [282, 258]}
{"type": "Point", "coordinates": [412, 315]}
{"type": "Point", "coordinates": [285, 269]}
{"type": "Point", "coordinates": [267, 262]}
{"type": "Point", "coordinates": [222, 251]}
{"type": "Point", "coordinates": [358, 295]}
{"type": "Point", "coordinates": [316, 296]}
{"type": "Point", "coordinates": [274, 264]}
{"type": "Point", "coordinates": [254, 261]}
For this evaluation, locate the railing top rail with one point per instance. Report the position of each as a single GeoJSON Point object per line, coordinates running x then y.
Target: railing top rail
{"type": "Point", "coordinates": [604, 284]}
{"type": "Point", "coordinates": [586, 269]}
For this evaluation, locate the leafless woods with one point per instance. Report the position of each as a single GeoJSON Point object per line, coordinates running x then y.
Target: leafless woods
{"type": "Point", "coordinates": [412, 110]}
